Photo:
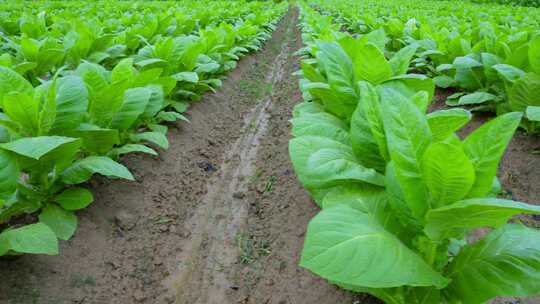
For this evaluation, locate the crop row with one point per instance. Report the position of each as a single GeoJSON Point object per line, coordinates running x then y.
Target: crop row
{"type": "Point", "coordinates": [489, 53]}
{"type": "Point", "coordinates": [400, 192]}
{"type": "Point", "coordinates": [83, 84]}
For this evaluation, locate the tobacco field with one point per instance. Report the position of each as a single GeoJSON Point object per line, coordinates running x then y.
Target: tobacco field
{"type": "Point", "coordinates": [236, 151]}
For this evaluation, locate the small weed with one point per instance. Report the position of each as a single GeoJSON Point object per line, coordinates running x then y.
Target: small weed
{"type": "Point", "coordinates": [80, 280]}
{"type": "Point", "coordinates": [163, 220]}
{"type": "Point", "coordinates": [250, 249]}
{"type": "Point", "coordinates": [255, 89]}
{"type": "Point", "coordinates": [269, 185]}
{"type": "Point", "coordinates": [245, 244]}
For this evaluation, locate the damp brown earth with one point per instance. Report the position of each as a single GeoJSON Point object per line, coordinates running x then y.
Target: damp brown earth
{"type": "Point", "coordinates": [220, 216]}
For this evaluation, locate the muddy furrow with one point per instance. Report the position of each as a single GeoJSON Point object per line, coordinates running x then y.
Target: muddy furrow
{"type": "Point", "coordinates": [212, 251]}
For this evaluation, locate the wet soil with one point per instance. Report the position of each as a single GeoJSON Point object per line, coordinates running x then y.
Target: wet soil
{"type": "Point", "coordinates": [217, 218]}
{"type": "Point", "coordinates": [220, 216]}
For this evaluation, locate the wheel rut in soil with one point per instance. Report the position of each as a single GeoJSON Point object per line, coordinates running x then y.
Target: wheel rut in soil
{"type": "Point", "coordinates": [202, 275]}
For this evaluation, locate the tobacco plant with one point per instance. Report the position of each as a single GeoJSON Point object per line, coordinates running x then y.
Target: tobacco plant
{"type": "Point", "coordinates": [402, 194]}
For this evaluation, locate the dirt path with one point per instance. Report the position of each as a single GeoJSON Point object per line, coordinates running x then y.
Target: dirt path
{"type": "Point", "coordinates": [217, 218]}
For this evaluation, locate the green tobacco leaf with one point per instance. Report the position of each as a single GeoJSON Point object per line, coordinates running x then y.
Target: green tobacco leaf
{"type": "Point", "coordinates": [34, 239]}
{"type": "Point", "coordinates": [22, 109]}
{"type": "Point", "coordinates": [533, 113]}
{"type": "Point", "coordinates": [170, 116]}
{"type": "Point", "coordinates": [321, 124]}
{"type": "Point", "coordinates": [74, 198]}
{"type": "Point", "coordinates": [370, 65]}
{"type": "Point", "coordinates": [332, 102]}
{"type": "Point", "coordinates": [367, 131]}
{"type": "Point", "coordinates": [37, 147]}
{"type": "Point", "coordinates": [71, 103]}
{"type": "Point", "coordinates": [96, 139]}
{"type": "Point", "coordinates": [367, 199]}
{"type": "Point", "coordinates": [62, 222]}
{"type": "Point", "coordinates": [323, 162]}
{"type": "Point", "coordinates": [444, 123]}
{"type": "Point", "coordinates": [410, 84]}
{"type": "Point", "coordinates": [421, 100]}
{"type": "Point", "coordinates": [448, 173]}
{"type": "Point", "coordinates": [134, 104]}
{"type": "Point", "coordinates": [525, 92]}
{"type": "Point", "coordinates": [347, 246]}
{"type": "Point", "coordinates": [191, 77]}
{"type": "Point", "coordinates": [11, 81]}
{"type": "Point", "coordinates": [340, 89]}
{"type": "Point", "coordinates": [131, 148]}
{"type": "Point", "coordinates": [307, 108]}
{"type": "Point", "coordinates": [311, 73]}
{"type": "Point", "coordinates": [504, 263]}
{"type": "Point", "coordinates": [408, 136]}
{"type": "Point", "coordinates": [9, 174]}
{"type": "Point", "coordinates": [47, 113]}
{"type": "Point", "coordinates": [508, 72]}
{"type": "Point", "coordinates": [156, 138]}
{"type": "Point", "coordinates": [83, 169]}
{"type": "Point", "coordinates": [123, 71]}
{"type": "Point", "coordinates": [466, 63]}
{"type": "Point", "coordinates": [444, 81]}
{"type": "Point", "coordinates": [401, 60]}
{"type": "Point", "coordinates": [534, 54]}
{"type": "Point", "coordinates": [456, 219]}
{"type": "Point", "coordinates": [485, 147]}
{"type": "Point", "coordinates": [155, 103]}
{"type": "Point", "coordinates": [361, 197]}
{"type": "Point", "coordinates": [476, 98]}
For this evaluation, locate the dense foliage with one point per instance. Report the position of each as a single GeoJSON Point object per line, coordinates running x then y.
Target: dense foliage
{"type": "Point", "coordinates": [490, 53]}
{"type": "Point", "coordinates": [82, 84]}
{"type": "Point", "coordinates": [531, 3]}
{"type": "Point", "coordinates": [400, 192]}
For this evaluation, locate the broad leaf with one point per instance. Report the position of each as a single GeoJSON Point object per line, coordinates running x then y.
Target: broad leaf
{"type": "Point", "coordinates": [367, 131]}
{"type": "Point", "coordinates": [62, 222]}
{"type": "Point", "coordinates": [505, 263]}
{"type": "Point", "coordinates": [323, 162]}
{"type": "Point", "coordinates": [134, 104]}
{"type": "Point", "coordinates": [444, 123]}
{"type": "Point", "coordinates": [534, 54]}
{"type": "Point", "coordinates": [456, 219]}
{"type": "Point", "coordinates": [11, 81]}
{"type": "Point", "coordinates": [448, 173]}
{"type": "Point", "coordinates": [533, 113]}
{"type": "Point", "coordinates": [37, 147]}
{"type": "Point", "coordinates": [370, 65]}
{"type": "Point", "coordinates": [408, 136]}
{"type": "Point", "coordinates": [347, 246]}
{"type": "Point", "coordinates": [9, 174]}
{"type": "Point", "coordinates": [83, 169]}
{"type": "Point", "coordinates": [74, 198]}
{"type": "Point", "coordinates": [71, 103]}
{"type": "Point", "coordinates": [321, 124]}
{"type": "Point", "coordinates": [24, 110]}
{"type": "Point", "coordinates": [485, 147]}
{"type": "Point", "coordinates": [35, 238]}
{"type": "Point", "coordinates": [401, 60]}
{"type": "Point", "coordinates": [156, 138]}
{"type": "Point", "coordinates": [508, 72]}
{"type": "Point", "coordinates": [525, 92]}
{"type": "Point", "coordinates": [476, 98]}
